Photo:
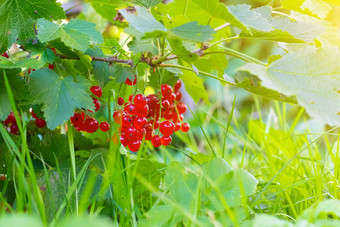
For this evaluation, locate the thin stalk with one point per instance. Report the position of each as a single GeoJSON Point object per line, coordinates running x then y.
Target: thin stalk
{"type": "Point", "coordinates": [228, 125]}
{"type": "Point", "coordinates": [237, 54]}
{"type": "Point", "coordinates": [73, 158]}
{"type": "Point", "coordinates": [200, 72]}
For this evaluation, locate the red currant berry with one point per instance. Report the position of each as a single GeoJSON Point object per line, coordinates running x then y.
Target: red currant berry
{"type": "Point", "coordinates": [120, 101]}
{"type": "Point", "coordinates": [10, 119]}
{"type": "Point", "coordinates": [126, 121]}
{"type": "Point", "coordinates": [139, 122]}
{"type": "Point", "coordinates": [30, 70]}
{"type": "Point", "coordinates": [156, 141]}
{"type": "Point", "coordinates": [40, 123]}
{"type": "Point", "coordinates": [124, 141]}
{"type": "Point", "coordinates": [185, 127]}
{"type": "Point", "coordinates": [14, 129]}
{"type": "Point", "coordinates": [131, 132]}
{"type": "Point", "coordinates": [130, 98]}
{"type": "Point", "coordinates": [97, 91]}
{"type": "Point", "coordinates": [54, 50]}
{"type": "Point", "coordinates": [140, 100]}
{"type": "Point", "coordinates": [140, 133]}
{"type": "Point", "coordinates": [104, 126]}
{"type": "Point", "coordinates": [171, 97]}
{"type": "Point", "coordinates": [77, 119]}
{"type": "Point", "coordinates": [5, 55]}
{"type": "Point", "coordinates": [142, 111]}
{"type": "Point", "coordinates": [91, 125]}
{"type": "Point", "coordinates": [131, 109]}
{"type": "Point", "coordinates": [166, 90]}
{"type": "Point", "coordinates": [166, 140]}
{"type": "Point", "coordinates": [34, 115]}
{"type": "Point", "coordinates": [181, 107]}
{"type": "Point", "coordinates": [129, 82]}
{"type": "Point", "coordinates": [117, 116]}
{"type": "Point", "coordinates": [177, 126]}
{"type": "Point", "coordinates": [167, 128]}
{"type": "Point", "coordinates": [178, 85]}
{"type": "Point", "coordinates": [148, 135]}
{"type": "Point", "coordinates": [165, 104]}
{"type": "Point", "coordinates": [96, 104]}
{"type": "Point", "coordinates": [134, 145]}
{"type": "Point", "coordinates": [50, 66]}
{"type": "Point", "coordinates": [178, 96]}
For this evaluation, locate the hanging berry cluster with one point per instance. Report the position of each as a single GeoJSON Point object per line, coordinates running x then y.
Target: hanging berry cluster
{"type": "Point", "coordinates": [142, 115]}
{"type": "Point", "coordinates": [12, 127]}
{"type": "Point", "coordinates": [82, 122]}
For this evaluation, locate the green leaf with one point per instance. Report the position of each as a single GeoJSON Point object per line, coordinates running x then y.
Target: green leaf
{"type": "Point", "coordinates": [235, 184]}
{"type": "Point", "coordinates": [101, 70]}
{"type": "Point", "coordinates": [217, 168]}
{"type": "Point", "coordinates": [193, 31]}
{"type": "Point", "coordinates": [123, 72]}
{"type": "Point", "coordinates": [140, 44]}
{"type": "Point", "coordinates": [143, 21]}
{"type": "Point", "coordinates": [194, 86]}
{"type": "Point", "coordinates": [316, 8]}
{"type": "Point", "coordinates": [26, 63]}
{"type": "Point", "coordinates": [20, 220]}
{"type": "Point", "coordinates": [77, 34]}
{"type": "Point", "coordinates": [182, 53]}
{"type": "Point", "coordinates": [108, 8]}
{"type": "Point", "coordinates": [48, 56]}
{"type": "Point", "coordinates": [256, 88]}
{"type": "Point", "coordinates": [17, 18]}
{"type": "Point", "coordinates": [59, 96]}
{"type": "Point", "coordinates": [18, 87]}
{"type": "Point", "coordinates": [182, 185]}
{"type": "Point", "coordinates": [250, 18]}
{"type": "Point", "coordinates": [269, 221]}
{"type": "Point", "coordinates": [219, 10]}
{"type": "Point", "coordinates": [149, 3]}
{"type": "Point", "coordinates": [311, 74]}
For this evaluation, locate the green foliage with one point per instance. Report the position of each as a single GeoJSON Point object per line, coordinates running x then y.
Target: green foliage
{"type": "Point", "coordinates": [77, 34]}
{"type": "Point", "coordinates": [59, 96]}
{"type": "Point", "coordinates": [17, 19]}
{"type": "Point", "coordinates": [241, 164]}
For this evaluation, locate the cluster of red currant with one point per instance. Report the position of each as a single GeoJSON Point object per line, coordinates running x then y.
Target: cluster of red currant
{"type": "Point", "coordinates": [12, 126]}
{"type": "Point", "coordinates": [141, 116]}
{"type": "Point", "coordinates": [82, 122]}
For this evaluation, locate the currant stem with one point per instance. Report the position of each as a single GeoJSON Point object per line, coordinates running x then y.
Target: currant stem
{"type": "Point", "coordinates": [200, 72]}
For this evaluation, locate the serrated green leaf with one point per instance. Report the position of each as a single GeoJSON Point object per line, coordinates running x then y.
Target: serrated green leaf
{"type": "Point", "coordinates": [182, 53]}
{"type": "Point", "coordinates": [193, 31]}
{"type": "Point", "coordinates": [250, 86]}
{"type": "Point", "coordinates": [17, 18]}
{"type": "Point", "coordinates": [219, 10]}
{"type": "Point", "coordinates": [138, 45]}
{"type": "Point", "coordinates": [311, 74]}
{"type": "Point", "coordinates": [101, 70]}
{"type": "Point", "coordinates": [250, 18]}
{"type": "Point", "coordinates": [77, 34]}
{"type": "Point", "coordinates": [48, 56]}
{"type": "Point", "coordinates": [143, 21]}
{"type": "Point", "coordinates": [59, 96]}
{"type": "Point", "coordinates": [149, 3]}
{"type": "Point", "coordinates": [123, 72]}
{"type": "Point", "coordinates": [26, 63]}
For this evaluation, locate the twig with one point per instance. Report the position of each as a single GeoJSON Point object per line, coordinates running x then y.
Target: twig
{"type": "Point", "coordinates": [222, 26]}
